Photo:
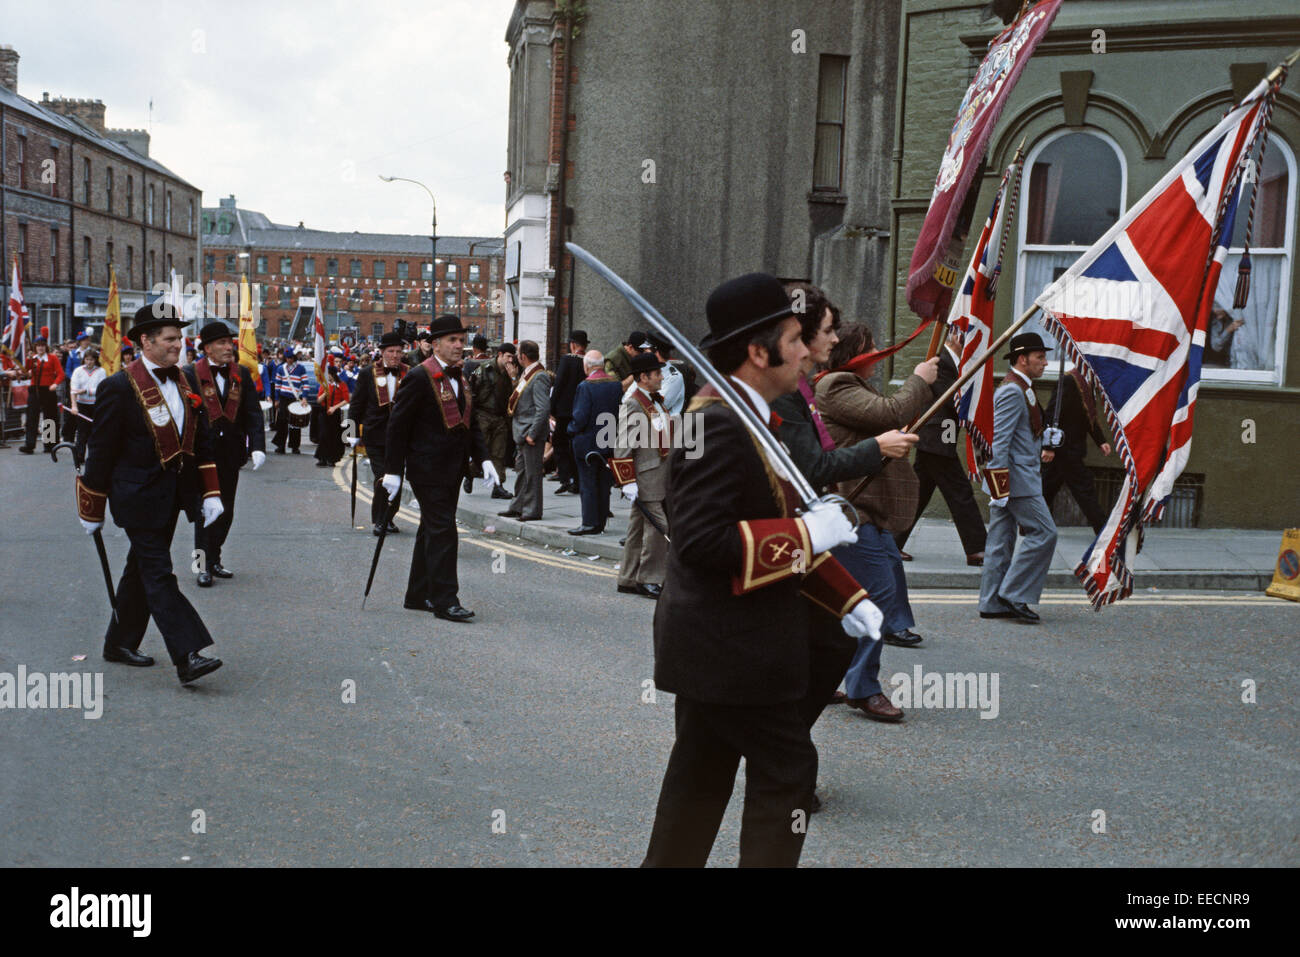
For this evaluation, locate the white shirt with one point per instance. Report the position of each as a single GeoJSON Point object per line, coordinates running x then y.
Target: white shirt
{"type": "Point", "coordinates": [171, 394]}
{"type": "Point", "coordinates": [764, 412]}
{"type": "Point", "coordinates": [955, 358]}
{"type": "Point", "coordinates": [657, 420]}
{"type": "Point", "coordinates": [455, 383]}
{"type": "Point", "coordinates": [85, 382]}
{"type": "Point", "coordinates": [673, 389]}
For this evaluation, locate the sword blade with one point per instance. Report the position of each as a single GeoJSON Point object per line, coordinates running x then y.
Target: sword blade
{"type": "Point", "coordinates": [772, 448]}
{"type": "Point", "coordinates": [354, 486]}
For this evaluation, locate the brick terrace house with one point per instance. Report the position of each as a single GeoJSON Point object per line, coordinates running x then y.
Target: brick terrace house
{"type": "Point", "coordinates": [76, 198]}
{"type": "Point", "coordinates": [365, 280]}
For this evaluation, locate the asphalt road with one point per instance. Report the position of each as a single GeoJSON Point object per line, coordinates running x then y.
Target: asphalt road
{"type": "Point", "coordinates": [532, 719]}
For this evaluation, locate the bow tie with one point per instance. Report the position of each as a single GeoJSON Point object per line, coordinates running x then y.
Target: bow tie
{"type": "Point", "coordinates": [453, 372]}
{"type": "Point", "coordinates": [168, 372]}
{"type": "Point", "coordinates": [394, 371]}
{"type": "Point", "coordinates": [221, 369]}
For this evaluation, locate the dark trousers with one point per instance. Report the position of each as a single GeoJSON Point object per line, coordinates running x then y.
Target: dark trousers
{"type": "Point", "coordinates": [379, 505]}
{"type": "Point", "coordinates": [1067, 468]}
{"type": "Point", "coordinates": [433, 560]}
{"type": "Point", "coordinates": [42, 403]}
{"type": "Point", "coordinates": [780, 773]}
{"type": "Point", "coordinates": [830, 653]}
{"type": "Point", "coordinates": [82, 434]}
{"type": "Point", "coordinates": [594, 484]}
{"type": "Point", "coordinates": [282, 429]}
{"type": "Point", "coordinates": [562, 443]}
{"type": "Point", "coordinates": [946, 473]}
{"type": "Point", "coordinates": [210, 540]}
{"type": "Point", "coordinates": [147, 590]}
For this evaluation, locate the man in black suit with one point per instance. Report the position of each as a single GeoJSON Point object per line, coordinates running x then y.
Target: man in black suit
{"type": "Point", "coordinates": [149, 457]}
{"type": "Point", "coordinates": [731, 628]}
{"type": "Point", "coordinates": [1078, 420]}
{"type": "Point", "coordinates": [937, 463]}
{"type": "Point", "coordinates": [238, 432]}
{"type": "Point", "coordinates": [371, 405]}
{"type": "Point", "coordinates": [569, 372]}
{"type": "Point", "coordinates": [431, 439]}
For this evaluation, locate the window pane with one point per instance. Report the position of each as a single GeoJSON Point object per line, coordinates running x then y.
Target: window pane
{"type": "Point", "coordinates": [1246, 338]}
{"type": "Point", "coordinates": [826, 161]}
{"type": "Point", "coordinates": [1074, 192]}
{"type": "Point", "coordinates": [1270, 207]}
{"type": "Point", "coordinates": [830, 89]}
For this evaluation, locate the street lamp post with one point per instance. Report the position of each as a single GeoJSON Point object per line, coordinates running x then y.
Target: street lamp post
{"type": "Point", "coordinates": [433, 260]}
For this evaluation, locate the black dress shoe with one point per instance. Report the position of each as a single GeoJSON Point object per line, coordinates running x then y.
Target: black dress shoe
{"type": "Point", "coordinates": [393, 529]}
{"type": "Point", "coordinates": [324, 465]}
{"type": "Point", "coordinates": [630, 589]}
{"type": "Point", "coordinates": [468, 485]}
{"type": "Point", "coordinates": [509, 513]}
{"type": "Point", "coordinates": [195, 667]}
{"type": "Point", "coordinates": [220, 570]}
{"type": "Point", "coordinates": [279, 451]}
{"type": "Point", "coordinates": [651, 590]}
{"type": "Point", "coordinates": [585, 530]}
{"type": "Point", "coordinates": [296, 451]}
{"type": "Point", "coordinates": [997, 614]}
{"type": "Point", "coordinates": [454, 613]}
{"type": "Point", "coordinates": [376, 529]}
{"type": "Point", "coordinates": [26, 451]}
{"type": "Point", "coordinates": [126, 656]}
{"type": "Point", "coordinates": [815, 804]}
{"type": "Point", "coordinates": [567, 490]}
{"type": "Point", "coordinates": [1020, 611]}
{"type": "Point", "coordinates": [530, 518]}
{"type": "Point", "coordinates": [205, 579]}
{"type": "Point", "coordinates": [903, 639]}
{"type": "Point", "coordinates": [424, 605]}
{"type": "Point", "coordinates": [499, 492]}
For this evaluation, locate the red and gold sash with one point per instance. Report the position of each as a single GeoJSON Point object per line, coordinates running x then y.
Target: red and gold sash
{"type": "Point", "coordinates": [381, 388]}
{"type": "Point", "coordinates": [519, 389]}
{"type": "Point", "coordinates": [452, 416]}
{"type": "Point", "coordinates": [212, 395]}
{"type": "Point", "coordinates": [665, 438]}
{"type": "Point", "coordinates": [157, 416]}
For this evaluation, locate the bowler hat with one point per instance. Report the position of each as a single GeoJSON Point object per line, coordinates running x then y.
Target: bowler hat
{"type": "Point", "coordinates": [644, 362]}
{"type": "Point", "coordinates": [214, 331]}
{"type": "Point", "coordinates": [154, 316]}
{"type": "Point", "coordinates": [445, 326]}
{"type": "Point", "coordinates": [745, 305]}
{"type": "Point", "coordinates": [391, 339]}
{"type": "Point", "coordinates": [579, 336]}
{"type": "Point", "coordinates": [1025, 342]}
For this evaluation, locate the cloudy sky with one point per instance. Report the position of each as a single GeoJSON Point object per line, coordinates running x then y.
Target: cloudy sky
{"type": "Point", "coordinates": [296, 107]}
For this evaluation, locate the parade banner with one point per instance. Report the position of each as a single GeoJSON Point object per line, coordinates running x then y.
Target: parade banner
{"type": "Point", "coordinates": [15, 340]}
{"type": "Point", "coordinates": [1132, 314]}
{"type": "Point", "coordinates": [928, 293]}
{"type": "Point", "coordinates": [248, 332]}
{"type": "Point", "coordinates": [110, 343]}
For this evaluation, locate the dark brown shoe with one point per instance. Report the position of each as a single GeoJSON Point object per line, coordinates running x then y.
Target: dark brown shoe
{"type": "Point", "coordinates": [975, 558]}
{"type": "Point", "coordinates": [877, 708]}
{"type": "Point", "coordinates": [904, 556]}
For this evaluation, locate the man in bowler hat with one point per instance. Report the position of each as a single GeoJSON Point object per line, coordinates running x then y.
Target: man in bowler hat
{"type": "Point", "coordinates": [371, 405]}
{"type": "Point", "coordinates": [1013, 577]}
{"type": "Point", "coordinates": [149, 458]}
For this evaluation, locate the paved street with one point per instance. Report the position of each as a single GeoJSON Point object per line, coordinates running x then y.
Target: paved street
{"type": "Point", "coordinates": [535, 711]}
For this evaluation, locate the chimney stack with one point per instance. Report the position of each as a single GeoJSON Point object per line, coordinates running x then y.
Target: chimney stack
{"type": "Point", "coordinates": [137, 140]}
{"type": "Point", "coordinates": [89, 112]}
{"type": "Point", "coordinates": [9, 68]}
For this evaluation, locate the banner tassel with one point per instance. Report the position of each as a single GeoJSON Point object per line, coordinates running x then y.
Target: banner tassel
{"type": "Point", "coordinates": [1242, 292]}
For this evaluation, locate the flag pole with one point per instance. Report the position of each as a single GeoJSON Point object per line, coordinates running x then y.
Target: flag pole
{"type": "Point", "coordinates": [952, 390]}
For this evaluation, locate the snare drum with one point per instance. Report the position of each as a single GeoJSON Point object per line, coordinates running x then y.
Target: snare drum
{"type": "Point", "coordinates": [299, 414]}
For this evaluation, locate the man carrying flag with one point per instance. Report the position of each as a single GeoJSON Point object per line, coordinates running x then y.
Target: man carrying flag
{"type": "Point", "coordinates": [1133, 313]}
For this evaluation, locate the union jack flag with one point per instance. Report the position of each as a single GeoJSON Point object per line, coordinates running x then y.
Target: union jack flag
{"type": "Point", "coordinates": [14, 342]}
{"type": "Point", "coordinates": [972, 313]}
{"type": "Point", "coordinates": [1132, 314]}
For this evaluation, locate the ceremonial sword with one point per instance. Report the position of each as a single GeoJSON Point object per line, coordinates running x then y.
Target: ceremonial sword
{"type": "Point", "coordinates": [354, 485]}
{"type": "Point", "coordinates": [771, 446]}
{"type": "Point", "coordinates": [645, 512]}
{"type": "Point", "coordinates": [99, 544]}
{"type": "Point", "coordinates": [379, 543]}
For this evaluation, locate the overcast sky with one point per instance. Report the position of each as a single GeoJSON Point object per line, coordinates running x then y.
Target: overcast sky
{"type": "Point", "coordinates": [296, 107]}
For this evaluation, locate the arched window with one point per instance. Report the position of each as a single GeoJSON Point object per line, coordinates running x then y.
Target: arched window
{"type": "Point", "coordinates": [1247, 345]}
{"type": "Point", "coordinates": [1073, 189]}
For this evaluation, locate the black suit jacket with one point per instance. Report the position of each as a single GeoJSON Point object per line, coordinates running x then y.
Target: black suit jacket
{"type": "Point", "coordinates": [1074, 419]}
{"type": "Point", "coordinates": [819, 467]}
{"type": "Point", "coordinates": [364, 410]}
{"type": "Point", "coordinates": [122, 460]}
{"type": "Point", "coordinates": [233, 442]}
{"type": "Point", "coordinates": [929, 437]}
{"type": "Point", "coordinates": [595, 404]}
{"type": "Point", "coordinates": [711, 645]}
{"type": "Point", "coordinates": [418, 441]}
{"type": "Point", "coordinates": [569, 371]}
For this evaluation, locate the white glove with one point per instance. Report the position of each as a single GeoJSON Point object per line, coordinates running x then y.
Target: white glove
{"type": "Point", "coordinates": [630, 491]}
{"type": "Point", "coordinates": [490, 477]}
{"type": "Point", "coordinates": [391, 484]}
{"type": "Point", "coordinates": [863, 621]}
{"type": "Point", "coordinates": [827, 527]}
{"type": "Point", "coordinates": [258, 459]}
{"type": "Point", "coordinates": [998, 502]}
{"type": "Point", "coordinates": [352, 441]}
{"type": "Point", "coordinates": [212, 510]}
{"type": "Point", "coordinates": [90, 527]}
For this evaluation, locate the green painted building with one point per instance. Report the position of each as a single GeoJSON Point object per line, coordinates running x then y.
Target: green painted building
{"type": "Point", "coordinates": [1117, 92]}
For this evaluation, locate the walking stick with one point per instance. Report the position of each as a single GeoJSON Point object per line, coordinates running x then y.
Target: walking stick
{"type": "Point", "coordinates": [354, 486]}
{"type": "Point", "coordinates": [636, 501]}
{"type": "Point", "coordinates": [952, 390]}
{"type": "Point", "coordinates": [99, 545]}
{"type": "Point", "coordinates": [379, 543]}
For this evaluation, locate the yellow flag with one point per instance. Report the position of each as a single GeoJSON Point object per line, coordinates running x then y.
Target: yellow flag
{"type": "Point", "coordinates": [247, 331]}
{"type": "Point", "coordinates": [110, 344]}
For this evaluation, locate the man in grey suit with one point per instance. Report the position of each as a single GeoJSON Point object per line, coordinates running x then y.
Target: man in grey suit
{"type": "Point", "coordinates": [1010, 582]}
{"type": "Point", "coordinates": [529, 409]}
{"type": "Point", "coordinates": [640, 466]}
